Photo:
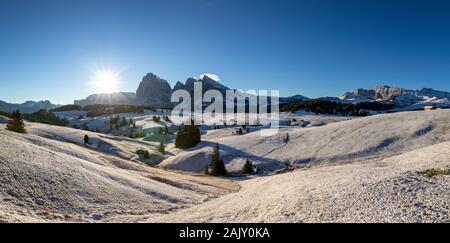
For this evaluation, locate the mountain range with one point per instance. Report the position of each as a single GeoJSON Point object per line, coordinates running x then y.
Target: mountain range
{"type": "Point", "coordinates": [399, 97]}
{"type": "Point", "coordinates": [27, 107]}
{"type": "Point", "coordinates": [156, 92]}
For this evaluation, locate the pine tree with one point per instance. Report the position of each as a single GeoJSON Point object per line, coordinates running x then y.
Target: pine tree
{"type": "Point", "coordinates": [124, 122]}
{"type": "Point", "coordinates": [16, 123]}
{"type": "Point", "coordinates": [217, 164]}
{"type": "Point", "coordinates": [162, 148]}
{"type": "Point", "coordinates": [86, 139]}
{"type": "Point", "coordinates": [166, 130]}
{"type": "Point", "coordinates": [239, 131]}
{"type": "Point", "coordinates": [187, 137]}
{"type": "Point", "coordinates": [146, 154]}
{"type": "Point", "coordinates": [247, 169]}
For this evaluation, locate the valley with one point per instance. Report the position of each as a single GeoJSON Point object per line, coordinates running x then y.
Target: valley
{"type": "Point", "coordinates": [344, 169]}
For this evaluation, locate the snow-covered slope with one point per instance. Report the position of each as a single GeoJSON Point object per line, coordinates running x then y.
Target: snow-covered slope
{"type": "Point", "coordinates": [369, 172]}
{"type": "Point", "coordinates": [46, 175]}
{"type": "Point", "coordinates": [339, 142]}
{"type": "Point", "coordinates": [386, 189]}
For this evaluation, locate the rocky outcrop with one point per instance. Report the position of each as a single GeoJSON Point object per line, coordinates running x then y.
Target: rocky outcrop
{"type": "Point", "coordinates": [207, 84]}
{"type": "Point", "coordinates": [178, 86]}
{"type": "Point", "coordinates": [396, 95]}
{"type": "Point", "coordinates": [154, 91]}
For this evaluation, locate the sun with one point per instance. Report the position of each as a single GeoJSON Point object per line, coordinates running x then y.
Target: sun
{"type": "Point", "coordinates": [105, 81]}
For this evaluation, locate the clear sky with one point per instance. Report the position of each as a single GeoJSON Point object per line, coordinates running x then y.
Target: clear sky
{"type": "Point", "coordinates": [49, 49]}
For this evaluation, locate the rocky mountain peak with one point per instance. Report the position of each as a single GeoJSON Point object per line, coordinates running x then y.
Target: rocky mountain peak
{"type": "Point", "coordinates": [154, 91]}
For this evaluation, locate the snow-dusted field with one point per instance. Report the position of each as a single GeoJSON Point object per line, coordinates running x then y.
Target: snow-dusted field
{"type": "Point", "coordinates": [378, 190]}
{"type": "Point", "coordinates": [338, 142]}
{"type": "Point", "coordinates": [348, 170]}
{"type": "Point", "coordinates": [47, 175]}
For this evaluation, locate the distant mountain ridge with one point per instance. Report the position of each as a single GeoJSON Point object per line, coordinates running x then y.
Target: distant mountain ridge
{"type": "Point", "coordinates": [119, 98]}
{"type": "Point", "coordinates": [28, 106]}
{"type": "Point", "coordinates": [398, 96]}
{"type": "Point", "coordinates": [156, 92]}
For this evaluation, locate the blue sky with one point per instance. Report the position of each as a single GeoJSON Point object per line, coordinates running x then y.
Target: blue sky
{"type": "Point", "coordinates": [49, 49]}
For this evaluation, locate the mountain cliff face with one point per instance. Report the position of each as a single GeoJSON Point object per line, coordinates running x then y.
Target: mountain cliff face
{"type": "Point", "coordinates": [395, 95]}
{"type": "Point", "coordinates": [27, 107]}
{"type": "Point", "coordinates": [121, 98]}
{"type": "Point", "coordinates": [154, 91]}
{"type": "Point", "coordinates": [207, 84]}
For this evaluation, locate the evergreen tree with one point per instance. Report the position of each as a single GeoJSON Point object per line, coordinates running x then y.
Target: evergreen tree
{"type": "Point", "coordinates": [16, 123]}
{"type": "Point", "coordinates": [207, 170]}
{"type": "Point", "coordinates": [247, 169]}
{"type": "Point", "coordinates": [239, 131]}
{"type": "Point", "coordinates": [124, 122]}
{"type": "Point", "coordinates": [146, 154]}
{"type": "Point", "coordinates": [86, 139]}
{"type": "Point", "coordinates": [217, 164]}
{"type": "Point", "coordinates": [166, 130]}
{"type": "Point", "coordinates": [162, 148]}
{"type": "Point", "coordinates": [187, 137]}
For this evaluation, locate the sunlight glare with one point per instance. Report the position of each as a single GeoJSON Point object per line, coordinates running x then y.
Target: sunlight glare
{"type": "Point", "coordinates": [106, 81]}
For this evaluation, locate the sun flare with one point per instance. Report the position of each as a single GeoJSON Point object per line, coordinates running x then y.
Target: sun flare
{"type": "Point", "coordinates": [106, 81]}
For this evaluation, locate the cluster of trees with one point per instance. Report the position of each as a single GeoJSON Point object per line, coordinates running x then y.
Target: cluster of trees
{"type": "Point", "coordinates": [217, 165]}
{"type": "Point", "coordinates": [5, 114]}
{"type": "Point", "coordinates": [164, 131]}
{"type": "Point", "coordinates": [41, 116]}
{"type": "Point", "coordinates": [143, 153]}
{"type": "Point", "coordinates": [46, 117]}
{"type": "Point", "coordinates": [68, 108]}
{"type": "Point", "coordinates": [326, 107]}
{"type": "Point", "coordinates": [118, 122]}
{"type": "Point", "coordinates": [243, 128]}
{"type": "Point", "coordinates": [158, 118]}
{"type": "Point", "coordinates": [102, 110]}
{"type": "Point", "coordinates": [188, 136]}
